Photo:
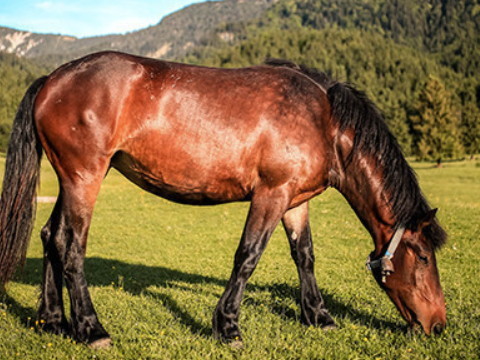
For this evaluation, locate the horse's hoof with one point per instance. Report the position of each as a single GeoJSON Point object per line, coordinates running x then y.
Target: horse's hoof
{"type": "Point", "coordinates": [329, 327]}
{"type": "Point", "coordinates": [104, 343]}
{"type": "Point", "coordinates": [236, 344]}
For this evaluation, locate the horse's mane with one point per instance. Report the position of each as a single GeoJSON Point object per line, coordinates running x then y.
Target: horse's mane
{"type": "Point", "coordinates": [354, 110]}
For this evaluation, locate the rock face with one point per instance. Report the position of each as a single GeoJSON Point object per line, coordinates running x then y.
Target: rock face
{"type": "Point", "coordinates": [171, 38]}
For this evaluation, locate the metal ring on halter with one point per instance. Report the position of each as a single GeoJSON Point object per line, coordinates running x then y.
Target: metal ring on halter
{"type": "Point", "coordinates": [384, 262]}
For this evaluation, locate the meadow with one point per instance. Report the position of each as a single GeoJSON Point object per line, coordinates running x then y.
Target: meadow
{"type": "Point", "coordinates": [156, 270]}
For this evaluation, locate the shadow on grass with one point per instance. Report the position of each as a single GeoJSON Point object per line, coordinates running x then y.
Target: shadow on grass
{"type": "Point", "coordinates": [136, 279]}
{"type": "Point", "coordinates": [25, 315]}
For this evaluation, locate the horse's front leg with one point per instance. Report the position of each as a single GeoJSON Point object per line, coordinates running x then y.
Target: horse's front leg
{"type": "Point", "coordinates": [266, 209]}
{"type": "Point", "coordinates": [297, 227]}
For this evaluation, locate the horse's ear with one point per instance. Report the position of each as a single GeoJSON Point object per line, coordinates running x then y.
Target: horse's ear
{"type": "Point", "coordinates": [427, 219]}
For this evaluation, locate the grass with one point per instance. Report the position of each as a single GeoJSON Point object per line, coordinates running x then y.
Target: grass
{"type": "Point", "coordinates": [157, 269]}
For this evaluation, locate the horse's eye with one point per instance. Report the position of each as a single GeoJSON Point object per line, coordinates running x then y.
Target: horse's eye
{"type": "Point", "coordinates": [423, 259]}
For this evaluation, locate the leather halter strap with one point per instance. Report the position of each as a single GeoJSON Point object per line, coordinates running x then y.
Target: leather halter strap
{"type": "Point", "coordinates": [378, 263]}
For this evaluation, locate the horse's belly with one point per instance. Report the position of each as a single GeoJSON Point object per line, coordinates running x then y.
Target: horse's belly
{"type": "Point", "coordinates": [181, 180]}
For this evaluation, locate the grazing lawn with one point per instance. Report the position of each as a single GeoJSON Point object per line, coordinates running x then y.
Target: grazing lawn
{"type": "Point", "coordinates": [156, 270]}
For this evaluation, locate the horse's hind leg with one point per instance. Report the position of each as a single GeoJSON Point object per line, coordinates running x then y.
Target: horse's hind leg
{"type": "Point", "coordinates": [67, 242]}
{"type": "Point", "coordinates": [297, 227]}
{"type": "Point", "coordinates": [51, 313]}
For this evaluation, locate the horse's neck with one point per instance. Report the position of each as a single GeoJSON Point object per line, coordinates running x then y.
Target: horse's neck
{"type": "Point", "coordinates": [361, 184]}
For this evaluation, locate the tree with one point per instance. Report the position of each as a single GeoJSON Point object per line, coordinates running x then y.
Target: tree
{"type": "Point", "coordinates": [16, 75]}
{"type": "Point", "coordinates": [471, 129]}
{"type": "Point", "coordinates": [397, 122]}
{"type": "Point", "coordinates": [436, 124]}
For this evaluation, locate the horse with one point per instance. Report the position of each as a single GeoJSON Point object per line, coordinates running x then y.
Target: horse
{"type": "Point", "coordinates": [276, 135]}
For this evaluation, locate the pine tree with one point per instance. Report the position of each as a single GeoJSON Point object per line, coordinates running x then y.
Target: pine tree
{"type": "Point", "coordinates": [436, 124]}
{"type": "Point", "coordinates": [471, 129]}
{"type": "Point", "coordinates": [397, 122]}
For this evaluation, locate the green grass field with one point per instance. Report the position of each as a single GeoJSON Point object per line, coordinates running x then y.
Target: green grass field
{"type": "Point", "coordinates": [156, 270]}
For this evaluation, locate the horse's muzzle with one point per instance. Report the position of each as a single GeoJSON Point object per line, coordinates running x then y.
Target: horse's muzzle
{"type": "Point", "coordinates": [437, 328]}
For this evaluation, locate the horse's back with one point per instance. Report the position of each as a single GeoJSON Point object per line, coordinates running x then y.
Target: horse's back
{"type": "Point", "coordinates": [188, 133]}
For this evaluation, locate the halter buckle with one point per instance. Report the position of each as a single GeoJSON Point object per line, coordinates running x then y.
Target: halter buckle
{"type": "Point", "coordinates": [385, 262]}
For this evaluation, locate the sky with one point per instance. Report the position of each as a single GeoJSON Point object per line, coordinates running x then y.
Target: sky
{"type": "Point", "coordinates": [86, 18]}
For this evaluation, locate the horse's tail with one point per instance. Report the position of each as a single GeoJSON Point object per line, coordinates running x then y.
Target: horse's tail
{"type": "Point", "coordinates": [18, 199]}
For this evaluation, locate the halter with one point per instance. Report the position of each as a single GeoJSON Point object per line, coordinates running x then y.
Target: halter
{"type": "Point", "coordinates": [385, 263]}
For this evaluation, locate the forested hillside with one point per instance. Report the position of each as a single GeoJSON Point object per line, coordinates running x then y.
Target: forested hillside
{"type": "Point", "coordinates": [447, 28]}
{"type": "Point", "coordinates": [16, 75]}
{"type": "Point", "coordinates": [419, 61]}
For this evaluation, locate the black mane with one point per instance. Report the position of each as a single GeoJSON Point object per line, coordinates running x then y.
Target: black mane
{"type": "Point", "coordinates": [353, 110]}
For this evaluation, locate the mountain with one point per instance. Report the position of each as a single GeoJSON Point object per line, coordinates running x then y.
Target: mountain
{"type": "Point", "coordinates": [171, 38]}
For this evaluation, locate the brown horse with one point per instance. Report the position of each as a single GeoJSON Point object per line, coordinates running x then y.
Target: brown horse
{"type": "Point", "coordinates": [276, 135]}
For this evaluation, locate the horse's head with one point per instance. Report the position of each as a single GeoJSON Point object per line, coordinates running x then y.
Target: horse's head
{"type": "Point", "coordinates": [410, 276]}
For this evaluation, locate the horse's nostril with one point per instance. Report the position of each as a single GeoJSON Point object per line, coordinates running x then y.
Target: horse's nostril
{"type": "Point", "coordinates": [438, 328]}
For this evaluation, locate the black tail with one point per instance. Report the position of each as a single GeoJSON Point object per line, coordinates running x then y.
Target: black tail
{"type": "Point", "coordinates": [18, 199]}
